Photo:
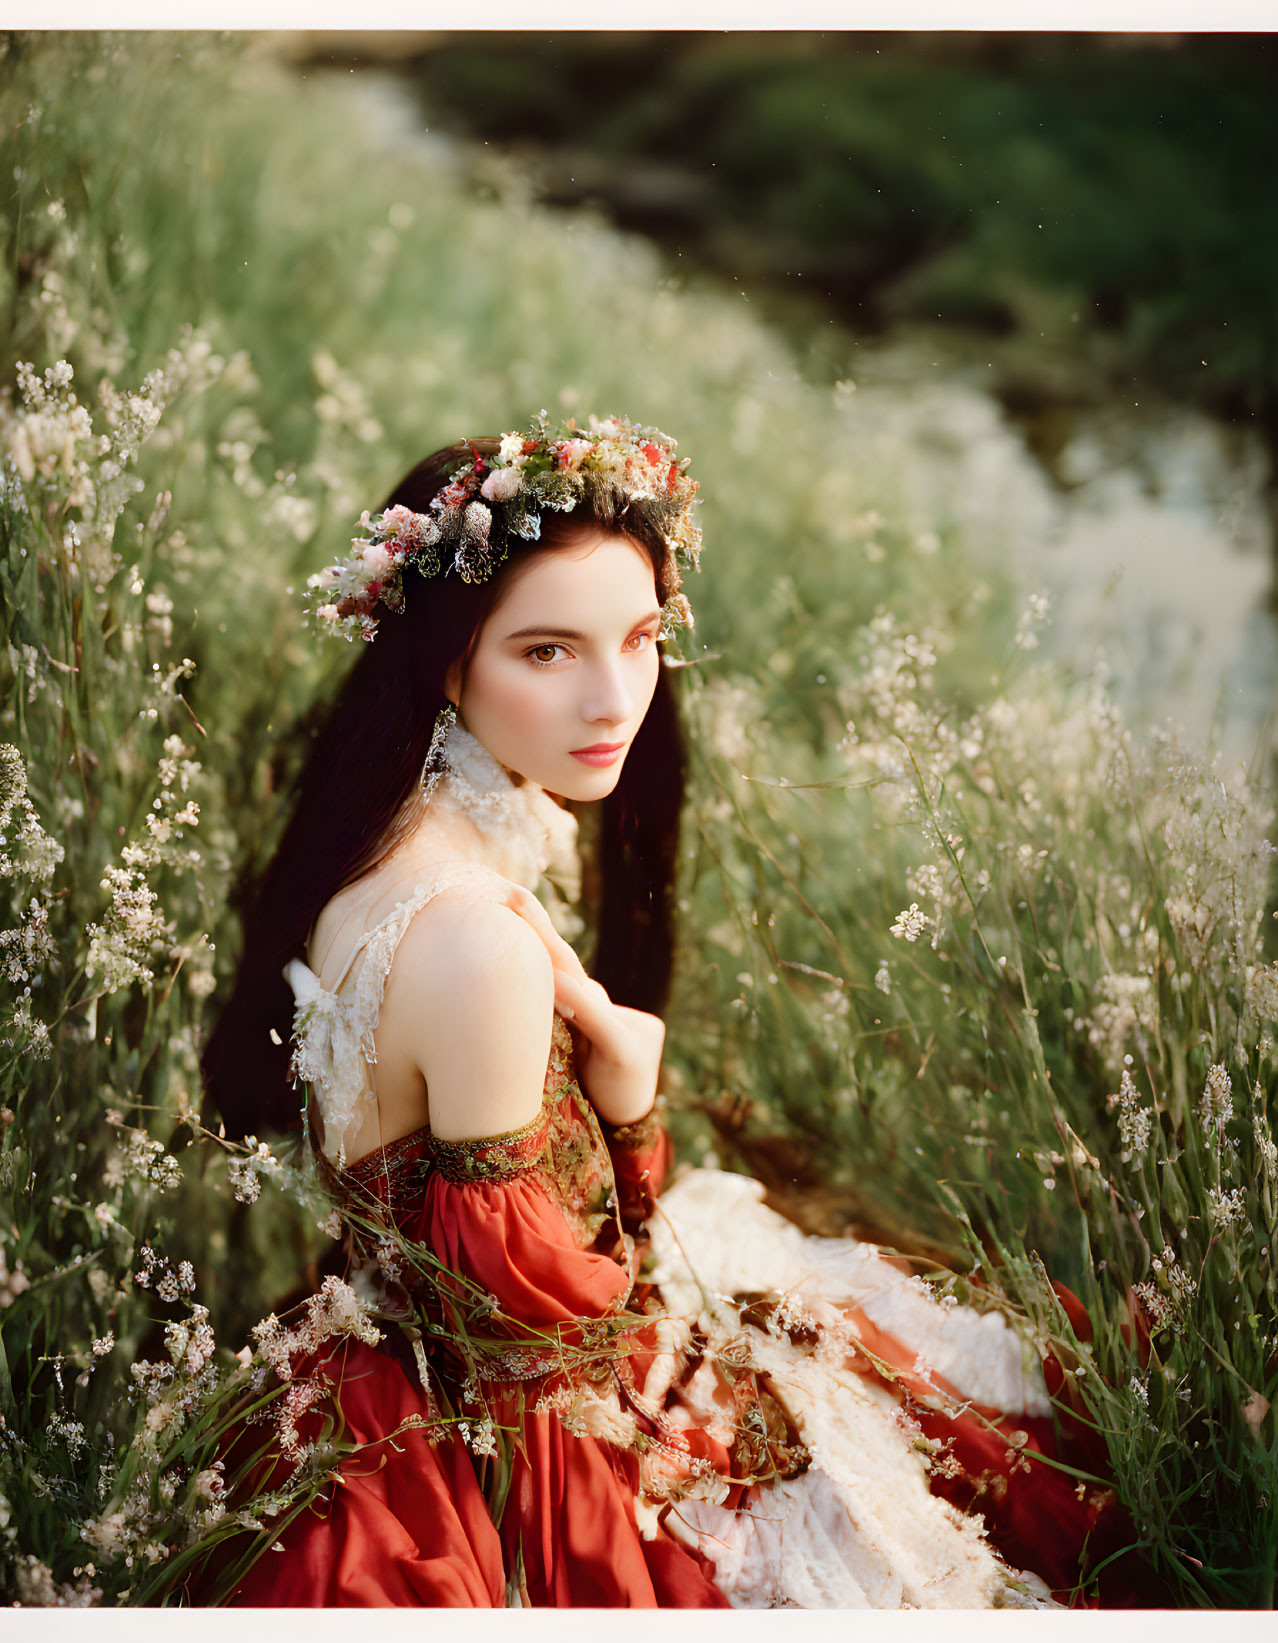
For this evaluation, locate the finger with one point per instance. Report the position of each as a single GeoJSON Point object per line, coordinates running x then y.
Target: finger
{"type": "Point", "coordinates": [563, 956]}
{"type": "Point", "coordinates": [586, 1005]}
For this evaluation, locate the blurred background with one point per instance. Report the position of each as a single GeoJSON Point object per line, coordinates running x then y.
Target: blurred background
{"type": "Point", "coordinates": [1048, 263]}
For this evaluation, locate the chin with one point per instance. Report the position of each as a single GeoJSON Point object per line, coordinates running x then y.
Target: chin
{"type": "Point", "coordinates": [584, 785]}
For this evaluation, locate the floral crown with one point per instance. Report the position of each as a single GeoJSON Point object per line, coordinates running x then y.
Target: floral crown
{"type": "Point", "coordinates": [496, 495]}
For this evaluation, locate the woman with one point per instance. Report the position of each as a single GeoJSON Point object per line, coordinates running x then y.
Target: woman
{"type": "Point", "coordinates": [579, 1396]}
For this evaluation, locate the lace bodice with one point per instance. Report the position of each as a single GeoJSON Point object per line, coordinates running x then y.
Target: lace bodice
{"type": "Point", "coordinates": [334, 1029]}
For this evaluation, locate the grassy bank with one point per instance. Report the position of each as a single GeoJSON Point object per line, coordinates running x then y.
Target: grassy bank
{"type": "Point", "coordinates": [937, 905]}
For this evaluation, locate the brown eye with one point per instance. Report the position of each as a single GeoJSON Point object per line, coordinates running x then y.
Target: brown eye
{"type": "Point", "coordinates": [544, 655]}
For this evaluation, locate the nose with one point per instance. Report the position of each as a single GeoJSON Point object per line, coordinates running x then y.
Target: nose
{"type": "Point", "coordinates": [610, 697]}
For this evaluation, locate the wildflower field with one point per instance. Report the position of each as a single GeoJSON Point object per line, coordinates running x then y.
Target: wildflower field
{"type": "Point", "coordinates": [966, 964]}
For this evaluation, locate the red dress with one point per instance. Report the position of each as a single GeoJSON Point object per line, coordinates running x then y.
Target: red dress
{"type": "Point", "coordinates": [411, 1525]}
{"type": "Point", "coordinates": [583, 1398]}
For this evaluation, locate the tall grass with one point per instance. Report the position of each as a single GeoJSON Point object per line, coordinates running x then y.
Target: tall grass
{"type": "Point", "coordinates": [242, 308]}
{"type": "Point", "coordinates": [997, 973]}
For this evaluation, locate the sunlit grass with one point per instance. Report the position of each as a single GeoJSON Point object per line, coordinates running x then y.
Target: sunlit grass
{"type": "Point", "coordinates": [958, 954]}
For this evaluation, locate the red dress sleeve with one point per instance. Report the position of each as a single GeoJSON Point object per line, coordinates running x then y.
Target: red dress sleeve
{"type": "Point", "coordinates": [488, 1213]}
{"type": "Point", "coordinates": [641, 1155]}
{"type": "Point", "coordinates": [508, 1236]}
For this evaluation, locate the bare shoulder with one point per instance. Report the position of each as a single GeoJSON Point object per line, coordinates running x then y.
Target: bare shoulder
{"type": "Point", "coordinates": [470, 1001]}
{"type": "Point", "coordinates": [465, 931]}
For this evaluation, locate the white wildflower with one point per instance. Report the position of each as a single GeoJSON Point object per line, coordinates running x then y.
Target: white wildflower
{"type": "Point", "coordinates": [911, 923]}
{"type": "Point", "coordinates": [12, 1284]}
{"type": "Point", "coordinates": [106, 1534]}
{"type": "Point", "coordinates": [243, 1178]}
{"type": "Point", "coordinates": [1128, 1007]}
{"type": "Point", "coordinates": [926, 881]}
{"type": "Point", "coordinates": [69, 1432]}
{"type": "Point", "coordinates": [1260, 1129]}
{"type": "Point", "coordinates": [28, 949]}
{"type": "Point", "coordinates": [159, 1415]}
{"type": "Point", "coordinates": [1217, 1104]}
{"type": "Point", "coordinates": [1179, 1282]}
{"type": "Point", "coordinates": [1228, 1206]}
{"type": "Point", "coordinates": [209, 1484]}
{"type": "Point", "coordinates": [483, 1440]}
{"type": "Point", "coordinates": [1134, 1121]}
{"type": "Point", "coordinates": [131, 931]}
{"type": "Point", "coordinates": [35, 1585]}
{"type": "Point", "coordinates": [25, 848]}
{"type": "Point", "coordinates": [335, 1310]}
{"type": "Point", "coordinates": [1034, 614]}
{"type": "Point", "coordinates": [1157, 1307]}
{"type": "Point", "coordinates": [1262, 991]}
{"type": "Point", "coordinates": [147, 1160]}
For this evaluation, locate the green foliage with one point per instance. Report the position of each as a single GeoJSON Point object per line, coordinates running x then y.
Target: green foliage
{"type": "Point", "coordinates": [997, 973]}
{"type": "Point", "coordinates": [1104, 200]}
{"type": "Point", "coordinates": [248, 304]}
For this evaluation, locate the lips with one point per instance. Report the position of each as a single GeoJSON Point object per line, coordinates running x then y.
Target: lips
{"type": "Point", "coordinates": [601, 754]}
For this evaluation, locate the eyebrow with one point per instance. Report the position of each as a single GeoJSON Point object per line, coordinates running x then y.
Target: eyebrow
{"type": "Point", "coordinates": [570, 633]}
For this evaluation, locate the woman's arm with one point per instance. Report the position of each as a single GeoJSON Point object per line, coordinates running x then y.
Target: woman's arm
{"type": "Point", "coordinates": [475, 991]}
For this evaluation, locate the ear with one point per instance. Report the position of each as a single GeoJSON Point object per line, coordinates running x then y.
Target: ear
{"type": "Point", "coordinates": [453, 683]}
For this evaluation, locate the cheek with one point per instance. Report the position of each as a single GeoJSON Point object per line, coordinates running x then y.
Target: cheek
{"type": "Point", "coordinates": [654, 670]}
{"type": "Point", "coordinates": [507, 697]}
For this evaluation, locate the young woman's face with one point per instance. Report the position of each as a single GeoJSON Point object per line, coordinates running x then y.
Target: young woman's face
{"type": "Point", "coordinates": [565, 666]}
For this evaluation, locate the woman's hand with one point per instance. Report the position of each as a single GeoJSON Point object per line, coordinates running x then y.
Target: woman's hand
{"type": "Point", "coordinates": [618, 1049]}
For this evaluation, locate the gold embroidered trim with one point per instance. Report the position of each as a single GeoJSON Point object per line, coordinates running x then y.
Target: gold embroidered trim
{"type": "Point", "coordinates": [370, 1165]}
{"type": "Point", "coordinates": [491, 1157]}
{"type": "Point", "coordinates": [391, 1173]}
{"type": "Point", "coordinates": [638, 1136]}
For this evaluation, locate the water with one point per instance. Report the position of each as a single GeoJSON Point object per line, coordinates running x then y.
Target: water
{"type": "Point", "coordinates": [1149, 530]}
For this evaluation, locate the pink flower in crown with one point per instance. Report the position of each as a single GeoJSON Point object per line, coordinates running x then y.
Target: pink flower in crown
{"type": "Point", "coordinates": [569, 453]}
{"type": "Point", "coordinates": [397, 521]}
{"type": "Point", "coordinates": [377, 558]}
{"type": "Point", "coordinates": [501, 484]}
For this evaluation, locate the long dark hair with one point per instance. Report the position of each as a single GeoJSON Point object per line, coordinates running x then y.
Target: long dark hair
{"type": "Point", "coordinates": [354, 805]}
